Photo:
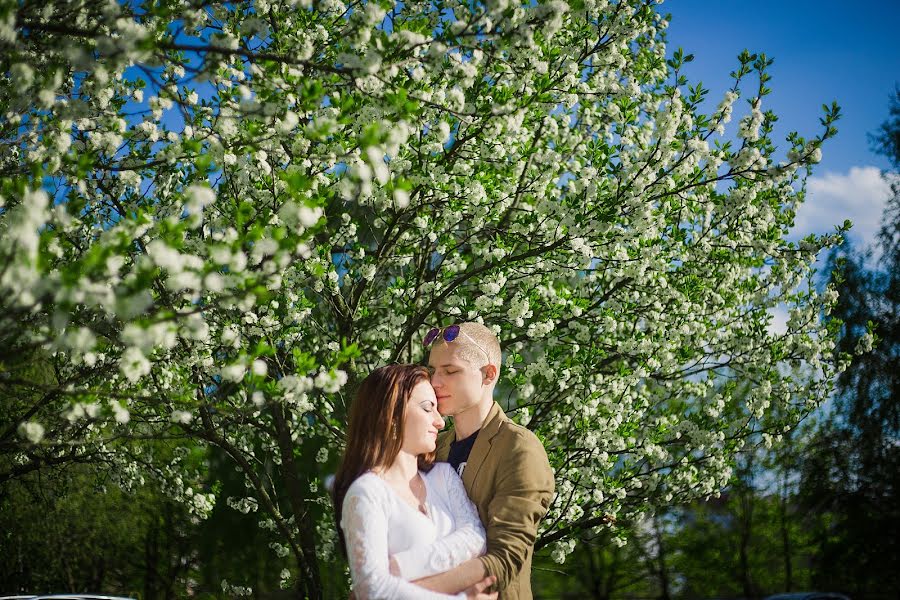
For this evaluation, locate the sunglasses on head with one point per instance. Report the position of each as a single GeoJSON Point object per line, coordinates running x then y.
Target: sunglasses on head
{"type": "Point", "coordinates": [450, 333]}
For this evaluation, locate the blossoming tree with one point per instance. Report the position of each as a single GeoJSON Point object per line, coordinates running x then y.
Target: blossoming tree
{"type": "Point", "coordinates": [217, 217]}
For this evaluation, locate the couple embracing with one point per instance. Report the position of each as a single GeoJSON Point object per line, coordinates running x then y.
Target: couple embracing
{"type": "Point", "coordinates": [430, 516]}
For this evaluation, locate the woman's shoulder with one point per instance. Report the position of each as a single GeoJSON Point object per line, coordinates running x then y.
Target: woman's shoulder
{"type": "Point", "coordinates": [441, 471]}
{"type": "Point", "coordinates": [440, 468]}
{"type": "Point", "coordinates": [366, 485]}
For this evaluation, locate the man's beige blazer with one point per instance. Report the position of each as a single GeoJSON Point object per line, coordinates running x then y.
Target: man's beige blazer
{"type": "Point", "coordinates": [509, 479]}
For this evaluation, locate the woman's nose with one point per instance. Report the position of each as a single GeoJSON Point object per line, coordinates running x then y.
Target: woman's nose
{"type": "Point", "coordinates": [439, 422]}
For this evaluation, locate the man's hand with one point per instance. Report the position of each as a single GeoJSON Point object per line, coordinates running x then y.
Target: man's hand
{"type": "Point", "coordinates": [476, 592]}
{"type": "Point", "coordinates": [461, 578]}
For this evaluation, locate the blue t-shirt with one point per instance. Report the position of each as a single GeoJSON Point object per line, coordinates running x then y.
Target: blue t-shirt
{"type": "Point", "coordinates": [459, 453]}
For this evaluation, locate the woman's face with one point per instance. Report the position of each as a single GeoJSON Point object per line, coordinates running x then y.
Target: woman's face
{"type": "Point", "coordinates": [422, 421]}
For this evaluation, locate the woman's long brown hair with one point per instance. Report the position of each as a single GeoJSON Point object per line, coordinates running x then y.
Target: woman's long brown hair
{"type": "Point", "coordinates": [375, 432]}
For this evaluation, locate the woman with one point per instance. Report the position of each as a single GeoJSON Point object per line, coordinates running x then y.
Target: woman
{"type": "Point", "coordinates": [400, 515]}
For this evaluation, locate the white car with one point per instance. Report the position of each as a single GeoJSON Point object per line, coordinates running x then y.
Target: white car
{"type": "Point", "coordinates": [808, 596]}
{"type": "Point", "coordinates": [65, 597]}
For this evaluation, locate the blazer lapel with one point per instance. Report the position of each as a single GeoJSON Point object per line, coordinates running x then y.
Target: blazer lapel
{"type": "Point", "coordinates": [482, 446]}
{"type": "Point", "coordinates": [445, 438]}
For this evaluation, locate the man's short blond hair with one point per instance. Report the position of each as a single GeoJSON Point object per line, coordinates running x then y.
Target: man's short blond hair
{"type": "Point", "coordinates": [476, 344]}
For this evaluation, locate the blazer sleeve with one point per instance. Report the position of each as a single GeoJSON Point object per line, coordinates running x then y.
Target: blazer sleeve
{"type": "Point", "coordinates": [522, 496]}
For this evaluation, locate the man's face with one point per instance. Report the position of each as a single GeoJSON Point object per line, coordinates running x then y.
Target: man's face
{"type": "Point", "coordinates": [457, 383]}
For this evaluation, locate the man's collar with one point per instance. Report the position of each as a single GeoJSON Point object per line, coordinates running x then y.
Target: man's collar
{"type": "Point", "coordinates": [492, 422]}
{"type": "Point", "coordinates": [489, 428]}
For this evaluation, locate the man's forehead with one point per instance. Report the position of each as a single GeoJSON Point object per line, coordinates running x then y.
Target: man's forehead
{"type": "Point", "coordinates": [445, 355]}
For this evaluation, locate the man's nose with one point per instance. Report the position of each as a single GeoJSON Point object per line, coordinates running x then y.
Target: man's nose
{"type": "Point", "coordinates": [436, 381]}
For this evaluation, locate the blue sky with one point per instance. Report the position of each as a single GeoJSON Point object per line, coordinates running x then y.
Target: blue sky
{"type": "Point", "coordinates": [824, 51]}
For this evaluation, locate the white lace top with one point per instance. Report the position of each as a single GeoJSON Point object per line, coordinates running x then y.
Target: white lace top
{"type": "Point", "coordinates": [378, 524]}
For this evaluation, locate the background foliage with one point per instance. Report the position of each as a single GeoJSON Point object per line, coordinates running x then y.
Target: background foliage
{"type": "Point", "coordinates": [217, 217]}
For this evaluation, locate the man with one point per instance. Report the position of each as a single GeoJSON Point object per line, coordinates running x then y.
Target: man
{"type": "Point", "coordinates": [504, 466]}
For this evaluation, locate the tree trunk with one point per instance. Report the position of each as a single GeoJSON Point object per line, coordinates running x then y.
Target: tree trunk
{"type": "Point", "coordinates": [596, 575]}
{"type": "Point", "coordinates": [745, 522]}
{"type": "Point", "coordinates": [151, 561]}
{"type": "Point", "coordinates": [310, 581]}
{"type": "Point", "coordinates": [786, 537]}
{"type": "Point", "coordinates": [662, 569]}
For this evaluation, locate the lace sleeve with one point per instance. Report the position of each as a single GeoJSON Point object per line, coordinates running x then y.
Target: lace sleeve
{"type": "Point", "coordinates": [466, 541]}
{"type": "Point", "coordinates": [365, 531]}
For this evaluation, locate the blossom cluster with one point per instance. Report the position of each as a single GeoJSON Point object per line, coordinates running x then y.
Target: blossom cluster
{"type": "Point", "coordinates": [219, 238]}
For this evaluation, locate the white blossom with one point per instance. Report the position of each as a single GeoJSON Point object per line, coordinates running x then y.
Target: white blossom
{"type": "Point", "coordinates": [134, 364]}
{"type": "Point", "coordinates": [32, 431]}
{"type": "Point", "coordinates": [310, 219]}
{"type": "Point", "coordinates": [181, 416]}
{"type": "Point", "coordinates": [233, 372]}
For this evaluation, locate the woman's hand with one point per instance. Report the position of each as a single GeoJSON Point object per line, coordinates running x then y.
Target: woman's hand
{"type": "Point", "coordinates": [476, 592]}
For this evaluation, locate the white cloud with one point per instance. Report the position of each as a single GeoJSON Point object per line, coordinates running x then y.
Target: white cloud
{"type": "Point", "coordinates": [778, 324]}
{"type": "Point", "coordinates": [859, 195]}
